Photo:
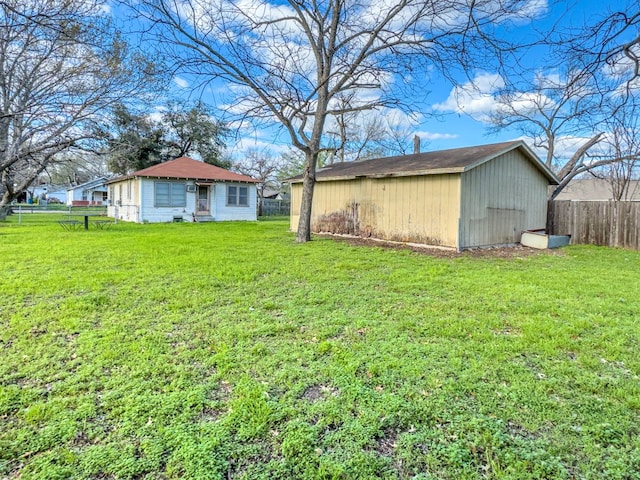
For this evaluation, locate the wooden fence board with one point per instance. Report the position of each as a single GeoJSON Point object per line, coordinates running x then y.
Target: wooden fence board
{"type": "Point", "coordinates": [597, 223]}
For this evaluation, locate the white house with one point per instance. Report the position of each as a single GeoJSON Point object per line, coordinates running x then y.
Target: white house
{"type": "Point", "coordinates": [89, 193]}
{"type": "Point", "coordinates": [183, 189]}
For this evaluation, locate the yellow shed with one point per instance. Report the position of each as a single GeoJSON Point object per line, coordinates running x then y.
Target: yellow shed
{"type": "Point", "coordinates": [460, 198]}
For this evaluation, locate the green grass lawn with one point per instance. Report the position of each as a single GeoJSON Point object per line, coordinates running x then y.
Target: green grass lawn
{"type": "Point", "coordinates": [228, 351]}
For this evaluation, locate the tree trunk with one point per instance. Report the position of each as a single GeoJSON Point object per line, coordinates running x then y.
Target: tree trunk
{"type": "Point", "coordinates": [613, 241]}
{"type": "Point", "coordinates": [308, 184]}
{"type": "Point", "coordinates": [550, 226]}
{"type": "Point", "coordinates": [4, 211]}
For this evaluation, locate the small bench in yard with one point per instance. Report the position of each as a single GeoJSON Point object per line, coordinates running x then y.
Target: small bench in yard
{"type": "Point", "coordinates": [70, 224]}
{"type": "Point", "coordinates": [103, 224]}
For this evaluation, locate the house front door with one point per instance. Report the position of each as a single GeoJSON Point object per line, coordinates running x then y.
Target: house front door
{"type": "Point", "coordinates": [203, 200]}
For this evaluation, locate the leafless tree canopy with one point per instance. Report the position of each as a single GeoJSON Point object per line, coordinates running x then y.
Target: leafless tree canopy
{"type": "Point", "coordinates": [262, 166]}
{"type": "Point", "coordinates": [61, 64]}
{"type": "Point", "coordinates": [580, 108]}
{"type": "Point", "coordinates": [295, 62]}
{"type": "Point", "coordinates": [622, 144]}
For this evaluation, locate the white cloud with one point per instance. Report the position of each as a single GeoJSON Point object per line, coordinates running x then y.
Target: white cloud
{"type": "Point", "coordinates": [397, 118]}
{"type": "Point", "coordinates": [481, 98]}
{"type": "Point", "coordinates": [264, 140]}
{"type": "Point", "coordinates": [157, 113]}
{"type": "Point", "coordinates": [247, 144]}
{"type": "Point", "coordinates": [532, 9]}
{"type": "Point", "coordinates": [437, 136]}
{"type": "Point", "coordinates": [181, 82]}
{"type": "Point", "coordinates": [525, 103]}
{"type": "Point", "coordinates": [475, 98]}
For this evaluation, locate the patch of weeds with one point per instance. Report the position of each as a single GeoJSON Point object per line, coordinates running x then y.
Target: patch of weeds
{"type": "Point", "coordinates": [250, 409]}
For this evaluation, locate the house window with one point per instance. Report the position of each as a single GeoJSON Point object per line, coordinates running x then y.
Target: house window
{"type": "Point", "coordinates": [237, 196]}
{"type": "Point", "coordinates": [170, 194]}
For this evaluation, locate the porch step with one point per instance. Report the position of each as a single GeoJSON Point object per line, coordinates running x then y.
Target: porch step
{"type": "Point", "coordinates": [204, 218]}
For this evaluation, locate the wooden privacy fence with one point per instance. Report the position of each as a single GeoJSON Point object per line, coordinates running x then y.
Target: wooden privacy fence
{"type": "Point", "coordinates": [608, 223]}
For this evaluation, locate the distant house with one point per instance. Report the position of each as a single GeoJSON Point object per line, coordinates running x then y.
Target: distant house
{"type": "Point", "coordinates": [52, 193]}
{"type": "Point", "coordinates": [596, 189]}
{"type": "Point", "coordinates": [274, 194]}
{"type": "Point", "coordinates": [183, 189]}
{"type": "Point", "coordinates": [461, 198]}
{"type": "Point", "coordinates": [89, 193]}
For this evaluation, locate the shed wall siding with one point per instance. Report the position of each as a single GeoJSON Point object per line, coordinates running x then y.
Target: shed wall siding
{"type": "Point", "coordinates": [500, 199]}
{"type": "Point", "coordinates": [422, 209]}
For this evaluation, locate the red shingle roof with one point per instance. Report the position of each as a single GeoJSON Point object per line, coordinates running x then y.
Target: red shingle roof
{"type": "Point", "coordinates": [188, 168]}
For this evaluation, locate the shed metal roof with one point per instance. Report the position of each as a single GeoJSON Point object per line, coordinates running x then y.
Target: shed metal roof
{"type": "Point", "coordinates": [457, 160]}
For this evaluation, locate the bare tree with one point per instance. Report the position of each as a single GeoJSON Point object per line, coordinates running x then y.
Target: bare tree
{"type": "Point", "coordinates": [75, 167]}
{"type": "Point", "coordinates": [353, 136]}
{"type": "Point", "coordinates": [262, 166]}
{"type": "Point", "coordinates": [398, 138]}
{"type": "Point", "coordinates": [552, 110]}
{"type": "Point", "coordinates": [61, 64]}
{"type": "Point", "coordinates": [290, 62]}
{"type": "Point", "coordinates": [292, 163]}
{"type": "Point", "coordinates": [621, 146]}
{"type": "Point", "coordinates": [612, 43]}
{"type": "Point", "coordinates": [568, 112]}
{"type": "Point", "coordinates": [622, 143]}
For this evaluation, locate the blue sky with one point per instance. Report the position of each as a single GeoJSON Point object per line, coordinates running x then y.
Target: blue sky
{"type": "Point", "coordinates": [452, 116]}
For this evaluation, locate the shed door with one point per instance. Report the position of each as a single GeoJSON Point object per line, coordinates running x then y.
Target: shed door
{"type": "Point", "coordinates": [203, 199]}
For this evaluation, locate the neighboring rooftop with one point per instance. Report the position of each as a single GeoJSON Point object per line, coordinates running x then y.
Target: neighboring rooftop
{"type": "Point", "coordinates": [96, 182]}
{"type": "Point", "coordinates": [188, 169]}
{"type": "Point", "coordinates": [455, 160]}
{"type": "Point", "coordinates": [596, 189]}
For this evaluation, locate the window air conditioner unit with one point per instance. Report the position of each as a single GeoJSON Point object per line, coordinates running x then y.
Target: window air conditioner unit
{"type": "Point", "coordinates": [191, 188]}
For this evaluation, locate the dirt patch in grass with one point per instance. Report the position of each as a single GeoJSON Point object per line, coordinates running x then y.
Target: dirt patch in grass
{"type": "Point", "coordinates": [387, 443]}
{"type": "Point", "coordinates": [515, 430]}
{"type": "Point", "coordinates": [82, 439]}
{"type": "Point", "coordinates": [319, 392]}
{"type": "Point", "coordinates": [515, 251]}
{"type": "Point", "coordinates": [210, 414]}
